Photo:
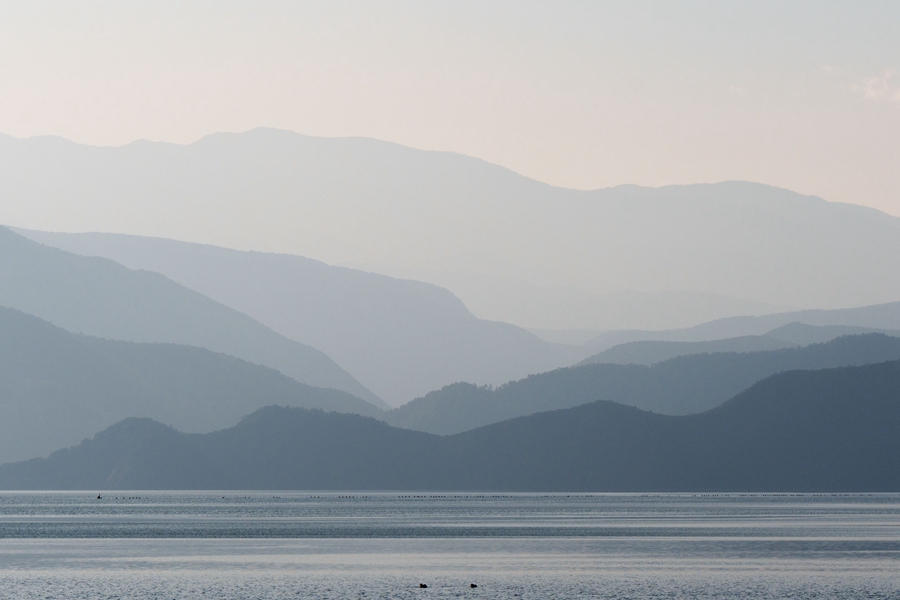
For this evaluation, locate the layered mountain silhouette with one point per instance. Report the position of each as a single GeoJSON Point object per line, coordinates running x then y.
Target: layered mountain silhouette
{"type": "Point", "coordinates": [678, 386]}
{"type": "Point", "coordinates": [787, 336]}
{"type": "Point", "coordinates": [799, 327]}
{"type": "Point", "coordinates": [538, 306]}
{"type": "Point", "coordinates": [831, 430]}
{"type": "Point", "coordinates": [360, 201]}
{"type": "Point", "coordinates": [399, 338]}
{"type": "Point", "coordinates": [651, 352]}
{"type": "Point", "coordinates": [56, 387]}
{"type": "Point", "coordinates": [99, 297]}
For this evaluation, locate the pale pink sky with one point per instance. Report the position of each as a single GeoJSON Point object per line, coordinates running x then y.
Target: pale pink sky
{"type": "Point", "coordinates": [803, 95]}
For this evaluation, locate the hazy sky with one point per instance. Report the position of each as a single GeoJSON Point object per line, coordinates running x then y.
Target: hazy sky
{"type": "Point", "coordinates": [804, 95]}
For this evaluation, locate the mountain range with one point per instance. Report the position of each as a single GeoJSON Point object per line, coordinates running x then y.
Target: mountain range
{"type": "Point", "coordinates": [800, 327]}
{"type": "Point", "coordinates": [677, 386]}
{"type": "Point", "coordinates": [648, 352]}
{"type": "Point", "coordinates": [831, 430]}
{"type": "Point", "coordinates": [99, 297]}
{"type": "Point", "coordinates": [623, 339]}
{"type": "Point", "coordinates": [402, 339]}
{"type": "Point", "coordinates": [399, 338]}
{"type": "Point", "coordinates": [59, 387]}
{"type": "Point", "coordinates": [56, 387]}
{"type": "Point", "coordinates": [355, 201]}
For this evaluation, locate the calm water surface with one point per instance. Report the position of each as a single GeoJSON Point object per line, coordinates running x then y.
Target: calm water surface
{"type": "Point", "coordinates": [382, 545]}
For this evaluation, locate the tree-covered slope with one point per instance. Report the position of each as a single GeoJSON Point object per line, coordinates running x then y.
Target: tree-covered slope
{"type": "Point", "coordinates": [824, 430]}
{"type": "Point", "coordinates": [681, 385]}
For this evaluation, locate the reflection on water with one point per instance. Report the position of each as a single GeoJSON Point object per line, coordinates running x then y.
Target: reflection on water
{"type": "Point", "coordinates": [373, 545]}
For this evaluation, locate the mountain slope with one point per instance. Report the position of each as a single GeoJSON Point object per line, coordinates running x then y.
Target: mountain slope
{"type": "Point", "coordinates": [548, 306]}
{"type": "Point", "coordinates": [98, 297]}
{"type": "Point", "coordinates": [678, 386]}
{"type": "Point", "coordinates": [827, 430]}
{"type": "Point", "coordinates": [799, 327]}
{"type": "Point", "coordinates": [651, 352]}
{"type": "Point", "coordinates": [803, 334]}
{"type": "Point", "coordinates": [361, 201]}
{"type": "Point", "coordinates": [57, 387]}
{"type": "Point", "coordinates": [823, 431]}
{"type": "Point", "coordinates": [648, 352]}
{"type": "Point", "coordinates": [399, 338]}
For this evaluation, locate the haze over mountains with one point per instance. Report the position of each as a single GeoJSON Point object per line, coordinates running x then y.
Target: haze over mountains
{"type": "Point", "coordinates": [648, 352]}
{"type": "Point", "coordinates": [361, 201]}
{"type": "Point", "coordinates": [678, 386]}
{"type": "Point", "coordinates": [56, 387]}
{"type": "Point", "coordinates": [403, 339]}
{"type": "Point", "coordinates": [793, 326]}
{"type": "Point", "coordinates": [399, 338]}
{"type": "Point", "coordinates": [98, 297]}
{"type": "Point", "coordinates": [692, 371]}
{"type": "Point", "coordinates": [59, 387]}
{"type": "Point", "coordinates": [830, 430]}
{"type": "Point", "coordinates": [529, 304]}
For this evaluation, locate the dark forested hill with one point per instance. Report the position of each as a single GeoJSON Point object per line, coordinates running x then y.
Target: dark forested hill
{"type": "Point", "coordinates": [96, 296]}
{"type": "Point", "coordinates": [681, 385]}
{"type": "Point", "coordinates": [57, 387]}
{"type": "Point", "coordinates": [825, 430]}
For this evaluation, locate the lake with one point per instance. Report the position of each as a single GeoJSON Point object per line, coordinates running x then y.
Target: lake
{"type": "Point", "coordinates": [383, 545]}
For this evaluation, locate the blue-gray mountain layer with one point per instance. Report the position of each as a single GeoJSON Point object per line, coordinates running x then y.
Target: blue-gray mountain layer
{"type": "Point", "coordinates": [57, 388]}
{"type": "Point", "coordinates": [648, 352]}
{"type": "Point", "coordinates": [678, 386]}
{"type": "Point", "coordinates": [99, 297]}
{"type": "Point", "coordinates": [399, 338]}
{"type": "Point", "coordinates": [832, 430]}
{"type": "Point", "coordinates": [798, 327]}
{"type": "Point", "coordinates": [360, 201]}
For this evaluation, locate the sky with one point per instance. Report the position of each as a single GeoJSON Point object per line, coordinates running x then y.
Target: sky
{"type": "Point", "coordinates": [581, 94]}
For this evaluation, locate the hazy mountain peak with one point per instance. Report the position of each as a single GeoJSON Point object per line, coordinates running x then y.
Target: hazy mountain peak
{"type": "Point", "coordinates": [362, 201]}
{"type": "Point", "coordinates": [58, 387]}
{"type": "Point", "coordinates": [100, 297]}
{"type": "Point", "coordinates": [400, 338]}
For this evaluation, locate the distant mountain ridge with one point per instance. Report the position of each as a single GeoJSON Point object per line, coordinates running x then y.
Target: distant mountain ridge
{"type": "Point", "coordinates": [399, 338]}
{"type": "Point", "coordinates": [787, 336]}
{"type": "Point", "coordinates": [57, 388]}
{"type": "Point", "coordinates": [651, 352]}
{"type": "Point", "coordinates": [358, 201]}
{"type": "Point", "coordinates": [793, 326]}
{"type": "Point", "coordinates": [678, 386]}
{"type": "Point", "coordinates": [99, 297]}
{"type": "Point", "coordinates": [554, 307]}
{"type": "Point", "coordinates": [830, 430]}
